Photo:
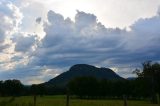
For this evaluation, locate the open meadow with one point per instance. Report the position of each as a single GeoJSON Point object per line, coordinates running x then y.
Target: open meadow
{"type": "Point", "coordinates": [61, 101]}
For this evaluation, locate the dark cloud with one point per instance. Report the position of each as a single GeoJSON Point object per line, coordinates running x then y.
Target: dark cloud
{"type": "Point", "coordinates": [38, 20]}
{"type": "Point", "coordinates": [87, 41]}
{"type": "Point", "coordinates": [30, 74]}
{"type": "Point", "coordinates": [83, 41]}
{"type": "Point", "coordinates": [24, 43]}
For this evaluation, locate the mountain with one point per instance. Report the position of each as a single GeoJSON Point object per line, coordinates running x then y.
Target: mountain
{"type": "Point", "coordinates": [83, 70]}
{"type": "Point", "coordinates": [131, 78]}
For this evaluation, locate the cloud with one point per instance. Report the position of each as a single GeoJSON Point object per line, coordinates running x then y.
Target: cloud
{"type": "Point", "coordinates": [141, 43]}
{"type": "Point", "coordinates": [10, 19]}
{"type": "Point", "coordinates": [111, 13]}
{"type": "Point", "coordinates": [67, 42]}
{"type": "Point", "coordinates": [30, 74]}
{"type": "Point", "coordinates": [38, 20]}
{"type": "Point", "coordinates": [87, 41]}
{"type": "Point", "coordinates": [83, 20]}
{"type": "Point", "coordinates": [2, 47]}
{"type": "Point", "coordinates": [12, 39]}
{"type": "Point", "coordinates": [158, 11]}
{"type": "Point", "coordinates": [145, 35]}
{"type": "Point", "coordinates": [25, 43]}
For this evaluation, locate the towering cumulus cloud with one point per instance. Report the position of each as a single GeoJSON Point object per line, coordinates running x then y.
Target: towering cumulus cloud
{"type": "Point", "coordinates": [83, 41]}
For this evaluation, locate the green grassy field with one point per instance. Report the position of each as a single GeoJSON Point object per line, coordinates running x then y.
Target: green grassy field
{"type": "Point", "coordinates": [61, 101]}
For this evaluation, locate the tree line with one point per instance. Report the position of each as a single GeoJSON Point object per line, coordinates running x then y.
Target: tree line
{"type": "Point", "coordinates": [16, 88]}
{"type": "Point", "coordinates": [90, 88]}
{"type": "Point", "coordinates": [80, 86]}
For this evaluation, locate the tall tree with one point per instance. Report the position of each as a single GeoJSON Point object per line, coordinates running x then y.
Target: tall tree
{"type": "Point", "coordinates": [151, 72]}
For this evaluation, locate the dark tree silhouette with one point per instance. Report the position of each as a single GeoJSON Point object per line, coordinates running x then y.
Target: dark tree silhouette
{"type": "Point", "coordinates": [151, 73]}
{"type": "Point", "coordinates": [11, 88]}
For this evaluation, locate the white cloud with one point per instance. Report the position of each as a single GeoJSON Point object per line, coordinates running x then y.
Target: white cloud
{"type": "Point", "coordinates": [111, 13]}
{"type": "Point", "coordinates": [10, 19]}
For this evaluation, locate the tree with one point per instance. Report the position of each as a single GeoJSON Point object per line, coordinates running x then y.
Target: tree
{"type": "Point", "coordinates": [37, 89]}
{"type": "Point", "coordinates": [84, 87]}
{"type": "Point", "coordinates": [151, 73]}
{"type": "Point", "coordinates": [1, 88]}
{"type": "Point", "coordinates": [12, 87]}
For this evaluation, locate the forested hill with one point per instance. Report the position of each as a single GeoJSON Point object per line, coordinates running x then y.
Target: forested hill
{"type": "Point", "coordinates": [80, 70]}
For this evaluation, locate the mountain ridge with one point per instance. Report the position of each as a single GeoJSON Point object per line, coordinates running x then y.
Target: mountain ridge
{"type": "Point", "coordinates": [80, 70]}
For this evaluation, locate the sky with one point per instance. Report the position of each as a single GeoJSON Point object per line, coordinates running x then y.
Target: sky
{"type": "Point", "coordinates": [39, 39]}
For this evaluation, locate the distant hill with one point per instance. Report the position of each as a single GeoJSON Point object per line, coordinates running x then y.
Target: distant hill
{"type": "Point", "coordinates": [131, 78]}
{"type": "Point", "coordinates": [83, 70]}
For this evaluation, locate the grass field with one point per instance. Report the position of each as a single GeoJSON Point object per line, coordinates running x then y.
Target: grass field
{"type": "Point", "coordinates": [61, 101]}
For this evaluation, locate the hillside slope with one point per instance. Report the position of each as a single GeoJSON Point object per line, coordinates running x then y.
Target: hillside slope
{"type": "Point", "coordinates": [83, 70]}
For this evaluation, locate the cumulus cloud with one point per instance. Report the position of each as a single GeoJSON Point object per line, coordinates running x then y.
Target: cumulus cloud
{"type": "Point", "coordinates": [83, 20]}
{"type": "Point", "coordinates": [145, 35]}
{"type": "Point", "coordinates": [87, 41]}
{"type": "Point", "coordinates": [25, 43]}
{"type": "Point", "coordinates": [67, 42]}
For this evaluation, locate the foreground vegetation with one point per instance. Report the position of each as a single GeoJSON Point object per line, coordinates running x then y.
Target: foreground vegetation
{"type": "Point", "coordinates": [61, 101]}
